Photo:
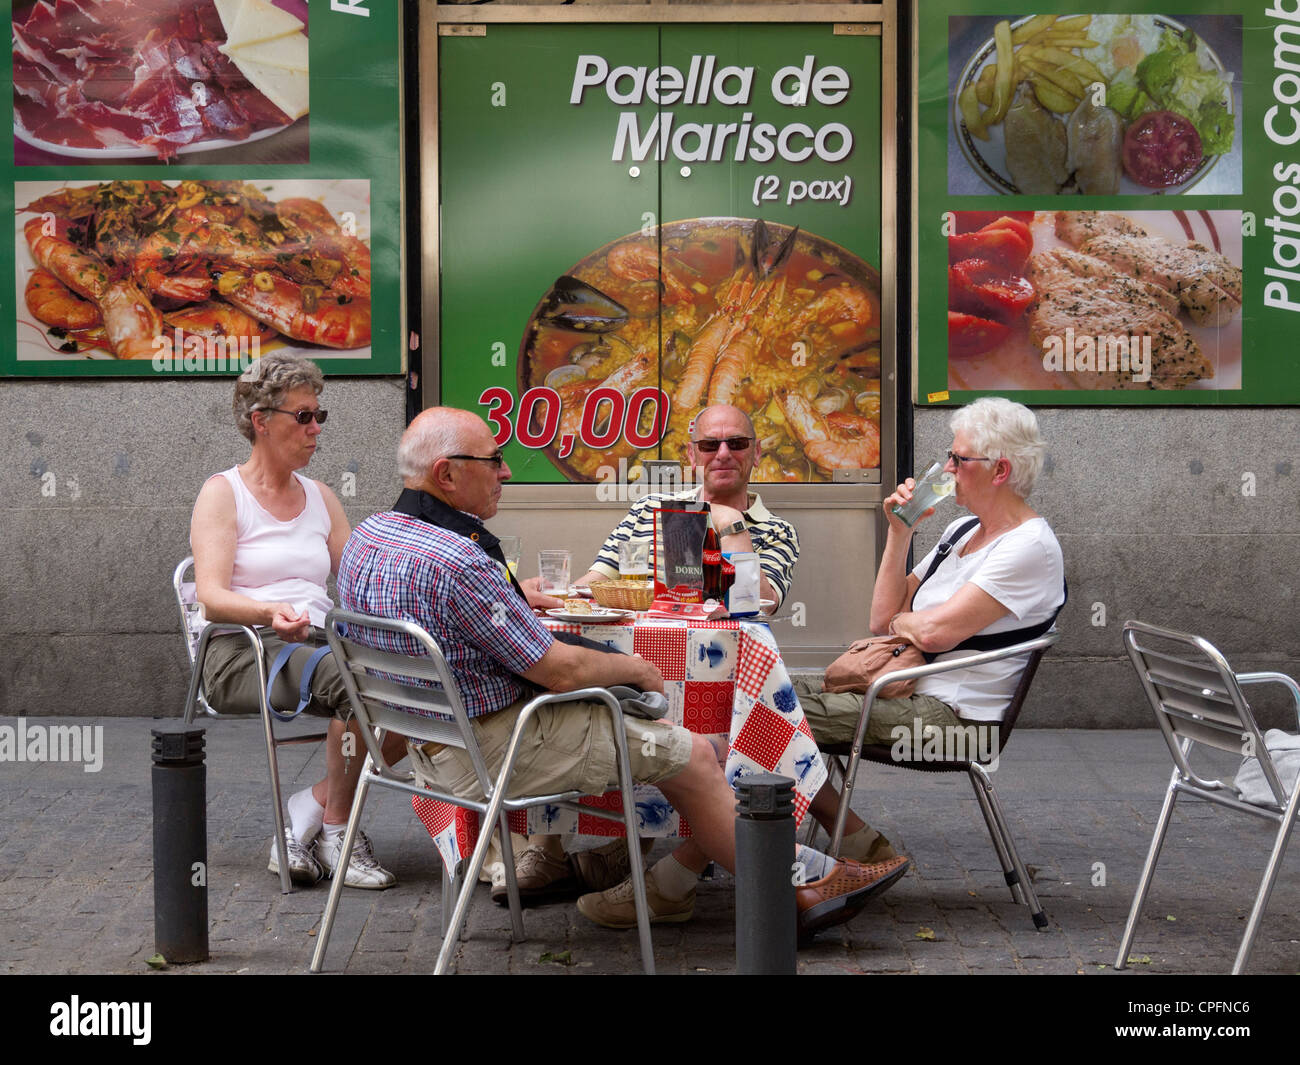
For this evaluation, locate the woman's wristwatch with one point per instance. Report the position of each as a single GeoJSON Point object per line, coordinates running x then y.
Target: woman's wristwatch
{"type": "Point", "coordinates": [732, 529]}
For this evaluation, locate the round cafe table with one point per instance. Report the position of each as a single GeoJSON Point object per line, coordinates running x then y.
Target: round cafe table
{"type": "Point", "coordinates": [721, 678]}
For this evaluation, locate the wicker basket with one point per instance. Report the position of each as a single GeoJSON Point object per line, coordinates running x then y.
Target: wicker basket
{"type": "Point", "coordinates": [624, 595]}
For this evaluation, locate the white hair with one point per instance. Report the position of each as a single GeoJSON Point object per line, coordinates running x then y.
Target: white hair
{"type": "Point", "coordinates": [433, 435]}
{"type": "Point", "coordinates": [997, 428]}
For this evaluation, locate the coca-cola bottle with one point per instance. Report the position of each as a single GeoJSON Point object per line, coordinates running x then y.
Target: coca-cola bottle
{"type": "Point", "coordinates": [712, 565]}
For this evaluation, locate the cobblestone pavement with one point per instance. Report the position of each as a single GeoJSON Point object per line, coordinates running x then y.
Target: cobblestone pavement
{"type": "Point", "coordinates": [76, 888]}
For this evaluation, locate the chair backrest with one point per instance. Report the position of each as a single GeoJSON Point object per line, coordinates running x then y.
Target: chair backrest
{"type": "Point", "coordinates": [400, 691]}
{"type": "Point", "coordinates": [1196, 699]}
{"type": "Point", "coordinates": [192, 620]}
{"type": "Point", "coordinates": [1012, 711]}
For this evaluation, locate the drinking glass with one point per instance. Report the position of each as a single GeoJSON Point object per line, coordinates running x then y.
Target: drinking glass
{"type": "Point", "coordinates": [932, 486]}
{"type": "Point", "coordinates": [510, 548]}
{"type": "Point", "coordinates": [553, 567]}
{"type": "Point", "coordinates": [634, 560]}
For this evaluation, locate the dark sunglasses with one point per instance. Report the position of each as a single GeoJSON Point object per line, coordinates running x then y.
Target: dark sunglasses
{"type": "Point", "coordinates": [497, 460]}
{"type": "Point", "coordinates": [734, 443]}
{"type": "Point", "coordinates": [962, 459]}
{"type": "Point", "coordinates": [303, 417]}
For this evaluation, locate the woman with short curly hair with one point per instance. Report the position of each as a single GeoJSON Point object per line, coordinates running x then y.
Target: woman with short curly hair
{"type": "Point", "coordinates": [265, 541]}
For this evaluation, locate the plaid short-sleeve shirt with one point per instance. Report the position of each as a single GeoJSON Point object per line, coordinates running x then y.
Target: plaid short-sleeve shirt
{"type": "Point", "coordinates": [398, 566]}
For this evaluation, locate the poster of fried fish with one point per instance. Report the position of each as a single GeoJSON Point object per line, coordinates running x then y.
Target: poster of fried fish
{"type": "Point", "coordinates": [195, 183]}
{"type": "Point", "coordinates": [1106, 204]}
{"type": "Point", "coordinates": [639, 221]}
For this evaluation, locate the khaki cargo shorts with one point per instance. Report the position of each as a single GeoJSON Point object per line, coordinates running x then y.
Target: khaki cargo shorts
{"type": "Point", "coordinates": [565, 747]}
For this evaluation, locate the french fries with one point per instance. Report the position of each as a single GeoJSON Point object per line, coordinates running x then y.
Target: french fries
{"type": "Point", "coordinates": [1039, 51]}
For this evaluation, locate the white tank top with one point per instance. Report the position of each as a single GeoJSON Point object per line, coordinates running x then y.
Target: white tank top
{"type": "Point", "coordinates": [282, 561]}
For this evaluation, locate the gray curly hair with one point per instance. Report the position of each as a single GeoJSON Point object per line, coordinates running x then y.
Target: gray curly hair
{"type": "Point", "coordinates": [1000, 429]}
{"type": "Point", "coordinates": [264, 384]}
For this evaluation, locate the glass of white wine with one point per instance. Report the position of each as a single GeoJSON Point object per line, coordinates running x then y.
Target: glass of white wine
{"type": "Point", "coordinates": [932, 486]}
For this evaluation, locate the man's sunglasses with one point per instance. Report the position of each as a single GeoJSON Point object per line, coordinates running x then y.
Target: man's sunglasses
{"type": "Point", "coordinates": [497, 460]}
{"type": "Point", "coordinates": [734, 443]}
{"type": "Point", "coordinates": [303, 417]}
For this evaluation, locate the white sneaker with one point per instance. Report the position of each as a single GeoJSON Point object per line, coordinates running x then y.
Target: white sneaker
{"type": "Point", "coordinates": [303, 867]}
{"type": "Point", "coordinates": [363, 870]}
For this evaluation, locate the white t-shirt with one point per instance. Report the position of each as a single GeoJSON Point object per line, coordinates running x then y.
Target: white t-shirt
{"type": "Point", "coordinates": [1024, 571]}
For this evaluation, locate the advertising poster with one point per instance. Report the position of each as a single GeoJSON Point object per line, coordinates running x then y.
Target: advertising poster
{"type": "Point", "coordinates": [195, 183]}
{"type": "Point", "coordinates": [638, 221]}
{"type": "Point", "coordinates": [1108, 204]}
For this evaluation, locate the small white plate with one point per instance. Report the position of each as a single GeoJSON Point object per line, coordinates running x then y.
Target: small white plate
{"type": "Point", "coordinates": [136, 152]}
{"type": "Point", "coordinates": [599, 615]}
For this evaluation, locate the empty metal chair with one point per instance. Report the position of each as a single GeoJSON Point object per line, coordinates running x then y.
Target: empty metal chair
{"type": "Point", "coordinates": [197, 634]}
{"type": "Point", "coordinates": [392, 692]}
{"type": "Point", "coordinates": [1013, 870]}
{"type": "Point", "coordinates": [1197, 699]}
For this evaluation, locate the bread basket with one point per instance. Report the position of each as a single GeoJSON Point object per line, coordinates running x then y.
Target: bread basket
{"type": "Point", "coordinates": [624, 595]}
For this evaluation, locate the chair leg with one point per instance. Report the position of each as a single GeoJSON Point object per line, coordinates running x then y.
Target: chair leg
{"type": "Point", "coordinates": [451, 881]}
{"type": "Point", "coordinates": [807, 834]}
{"type": "Point", "coordinates": [1148, 871]}
{"type": "Point", "coordinates": [512, 885]}
{"type": "Point", "coordinates": [999, 844]}
{"type": "Point", "coordinates": [635, 859]}
{"type": "Point", "coordinates": [1018, 867]}
{"type": "Point", "coordinates": [277, 801]}
{"type": "Point", "coordinates": [1266, 887]}
{"type": "Point", "coordinates": [849, 775]}
{"type": "Point", "coordinates": [340, 872]}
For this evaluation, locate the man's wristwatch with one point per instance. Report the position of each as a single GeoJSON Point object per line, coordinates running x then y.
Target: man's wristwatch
{"type": "Point", "coordinates": [732, 529]}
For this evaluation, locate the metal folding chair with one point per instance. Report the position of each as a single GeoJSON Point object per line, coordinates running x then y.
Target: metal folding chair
{"type": "Point", "coordinates": [1013, 869]}
{"type": "Point", "coordinates": [395, 693]}
{"type": "Point", "coordinates": [1197, 699]}
{"type": "Point", "coordinates": [197, 635]}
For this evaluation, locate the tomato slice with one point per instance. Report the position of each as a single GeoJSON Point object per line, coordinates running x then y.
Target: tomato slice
{"type": "Point", "coordinates": [979, 287]}
{"type": "Point", "coordinates": [997, 243]}
{"type": "Point", "coordinates": [970, 335]}
{"type": "Point", "coordinates": [1161, 148]}
{"type": "Point", "coordinates": [969, 221]}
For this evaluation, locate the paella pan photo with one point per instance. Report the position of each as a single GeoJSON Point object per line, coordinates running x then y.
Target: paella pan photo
{"type": "Point", "coordinates": [638, 337]}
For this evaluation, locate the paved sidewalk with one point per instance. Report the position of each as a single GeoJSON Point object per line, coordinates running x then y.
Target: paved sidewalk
{"type": "Point", "coordinates": [76, 891]}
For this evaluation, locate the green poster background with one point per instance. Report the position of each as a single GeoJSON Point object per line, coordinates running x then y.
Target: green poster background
{"type": "Point", "coordinates": [1265, 190]}
{"type": "Point", "coordinates": [528, 186]}
{"type": "Point", "coordinates": [355, 125]}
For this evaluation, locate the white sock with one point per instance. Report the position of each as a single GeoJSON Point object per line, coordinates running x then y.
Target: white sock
{"type": "Point", "coordinates": [330, 833]}
{"type": "Point", "coordinates": [305, 816]}
{"type": "Point", "coordinates": [673, 879]}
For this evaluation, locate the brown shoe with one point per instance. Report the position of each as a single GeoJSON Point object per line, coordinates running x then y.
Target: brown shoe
{"type": "Point", "coordinates": [606, 866]}
{"type": "Point", "coordinates": [541, 878]}
{"type": "Point", "coordinates": [616, 908]}
{"type": "Point", "coordinates": [838, 896]}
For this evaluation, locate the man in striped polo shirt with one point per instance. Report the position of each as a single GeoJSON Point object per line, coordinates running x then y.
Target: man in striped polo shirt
{"type": "Point", "coordinates": [724, 448]}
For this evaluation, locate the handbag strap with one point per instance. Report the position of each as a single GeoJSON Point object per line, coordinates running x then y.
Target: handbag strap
{"type": "Point", "coordinates": [304, 689]}
{"type": "Point", "coordinates": [997, 640]}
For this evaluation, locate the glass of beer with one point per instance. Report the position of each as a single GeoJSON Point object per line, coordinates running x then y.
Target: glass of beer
{"type": "Point", "coordinates": [634, 560]}
{"type": "Point", "coordinates": [932, 486]}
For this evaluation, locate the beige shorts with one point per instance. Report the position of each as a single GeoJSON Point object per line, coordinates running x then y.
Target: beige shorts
{"type": "Point", "coordinates": [565, 747]}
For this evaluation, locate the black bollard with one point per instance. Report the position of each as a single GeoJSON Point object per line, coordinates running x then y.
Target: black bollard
{"type": "Point", "coordinates": [766, 924]}
{"type": "Point", "coordinates": [180, 844]}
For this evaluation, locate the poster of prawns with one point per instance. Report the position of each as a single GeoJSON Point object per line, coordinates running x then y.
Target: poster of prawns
{"type": "Point", "coordinates": [169, 214]}
{"type": "Point", "coordinates": [639, 221]}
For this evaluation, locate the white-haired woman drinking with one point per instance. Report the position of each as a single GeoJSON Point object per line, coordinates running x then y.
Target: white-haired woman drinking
{"type": "Point", "coordinates": [265, 541]}
{"type": "Point", "coordinates": [1004, 574]}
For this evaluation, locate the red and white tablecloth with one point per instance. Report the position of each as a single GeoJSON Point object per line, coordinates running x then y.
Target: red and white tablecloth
{"type": "Point", "coordinates": [721, 678]}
